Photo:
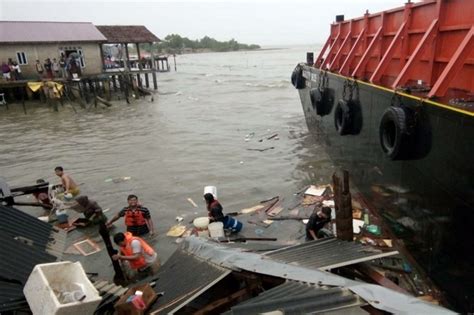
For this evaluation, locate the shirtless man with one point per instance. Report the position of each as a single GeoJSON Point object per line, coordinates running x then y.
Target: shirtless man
{"type": "Point", "coordinates": [68, 183]}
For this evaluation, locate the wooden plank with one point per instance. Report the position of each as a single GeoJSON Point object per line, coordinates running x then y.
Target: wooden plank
{"type": "Point", "coordinates": [378, 278]}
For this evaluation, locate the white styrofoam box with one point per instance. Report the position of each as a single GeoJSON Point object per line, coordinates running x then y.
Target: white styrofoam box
{"type": "Point", "coordinates": [46, 279]}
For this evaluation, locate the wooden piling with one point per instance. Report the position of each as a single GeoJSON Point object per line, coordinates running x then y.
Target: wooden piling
{"type": "Point", "coordinates": [114, 83]}
{"type": "Point", "coordinates": [23, 99]}
{"type": "Point", "coordinates": [155, 84]}
{"type": "Point", "coordinates": [147, 81]}
{"type": "Point", "coordinates": [343, 207]}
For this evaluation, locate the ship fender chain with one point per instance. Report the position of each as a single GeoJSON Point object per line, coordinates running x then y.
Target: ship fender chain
{"type": "Point", "coordinates": [348, 115]}
{"type": "Point", "coordinates": [322, 97]}
{"type": "Point", "coordinates": [297, 79]}
{"type": "Point", "coordinates": [397, 129]}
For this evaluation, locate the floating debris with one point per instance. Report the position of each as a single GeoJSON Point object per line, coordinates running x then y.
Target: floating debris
{"type": "Point", "coordinates": [176, 231]}
{"type": "Point", "coordinates": [262, 150]}
{"type": "Point", "coordinates": [192, 202]}
{"type": "Point", "coordinates": [118, 179]}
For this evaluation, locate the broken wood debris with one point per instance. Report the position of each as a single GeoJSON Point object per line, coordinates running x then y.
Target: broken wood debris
{"type": "Point", "coordinates": [87, 247]}
{"type": "Point", "coordinates": [262, 150]}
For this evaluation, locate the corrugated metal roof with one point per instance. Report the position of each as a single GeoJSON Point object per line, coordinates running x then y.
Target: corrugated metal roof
{"type": "Point", "coordinates": [377, 296]}
{"type": "Point", "coordinates": [182, 278]}
{"type": "Point", "coordinates": [38, 32]}
{"type": "Point", "coordinates": [127, 34]}
{"type": "Point", "coordinates": [18, 259]}
{"type": "Point", "coordinates": [294, 297]}
{"type": "Point", "coordinates": [327, 254]}
{"type": "Point", "coordinates": [11, 296]}
{"type": "Point", "coordinates": [18, 223]}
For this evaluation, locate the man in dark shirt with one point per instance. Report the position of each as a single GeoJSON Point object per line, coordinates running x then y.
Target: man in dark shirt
{"type": "Point", "coordinates": [316, 222]}
{"type": "Point", "coordinates": [137, 218]}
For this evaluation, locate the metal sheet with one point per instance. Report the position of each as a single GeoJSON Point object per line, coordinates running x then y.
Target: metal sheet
{"type": "Point", "coordinates": [182, 278]}
{"type": "Point", "coordinates": [294, 297]}
{"type": "Point", "coordinates": [326, 254]}
{"type": "Point", "coordinates": [37, 32]}
{"type": "Point", "coordinates": [378, 296]}
{"type": "Point", "coordinates": [18, 259]}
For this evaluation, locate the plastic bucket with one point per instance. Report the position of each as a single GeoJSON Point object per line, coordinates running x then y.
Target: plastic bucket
{"type": "Point", "coordinates": [201, 225]}
{"type": "Point", "coordinates": [216, 229]}
{"type": "Point", "coordinates": [212, 190]}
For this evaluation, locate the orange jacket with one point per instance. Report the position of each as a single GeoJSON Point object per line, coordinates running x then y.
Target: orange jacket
{"type": "Point", "coordinates": [134, 218]}
{"type": "Point", "coordinates": [127, 251]}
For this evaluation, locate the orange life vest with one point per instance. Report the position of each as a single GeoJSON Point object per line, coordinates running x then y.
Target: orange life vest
{"type": "Point", "coordinates": [128, 251]}
{"type": "Point", "coordinates": [134, 218]}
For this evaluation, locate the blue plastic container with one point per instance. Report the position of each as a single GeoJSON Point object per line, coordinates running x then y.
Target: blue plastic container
{"type": "Point", "coordinates": [232, 224]}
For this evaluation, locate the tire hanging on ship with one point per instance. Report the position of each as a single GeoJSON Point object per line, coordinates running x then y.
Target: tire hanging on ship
{"type": "Point", "coordinates": [348, 113]}
{"type": "Point", "coordinates": [297, 79]}
{"type": "Point", "coordinates": [322, 97]}
{"type": "Point", "coordinates": [397, 130]}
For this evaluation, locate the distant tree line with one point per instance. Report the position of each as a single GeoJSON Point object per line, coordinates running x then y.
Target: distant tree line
{"type": "Point", "coordinates": [174, 43]}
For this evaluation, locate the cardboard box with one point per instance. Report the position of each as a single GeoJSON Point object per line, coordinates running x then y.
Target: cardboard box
{"type": "Point", "coordinates": [124, 308]}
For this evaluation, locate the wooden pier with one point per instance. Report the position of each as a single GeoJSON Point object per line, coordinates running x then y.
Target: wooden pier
{"type": "Point", "coordinates": [86, 91]}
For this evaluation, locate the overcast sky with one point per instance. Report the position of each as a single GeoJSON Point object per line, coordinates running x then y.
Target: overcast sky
{"type": "Point", "coordinates": [261, 22]}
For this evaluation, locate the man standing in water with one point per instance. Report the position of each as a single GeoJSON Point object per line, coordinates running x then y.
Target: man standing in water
{"type": "Point", "coordinates": [69, 184]}
{"type": "Point", "coordinates": [316, 223]}
{"type": "Point", "coordinates": [137, 218]}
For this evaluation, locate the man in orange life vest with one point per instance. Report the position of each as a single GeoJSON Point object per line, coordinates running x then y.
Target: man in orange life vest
{"type": "Point", "coordinates": [137, 218]}
{"type": "Point", "coordinates": [139, 255]}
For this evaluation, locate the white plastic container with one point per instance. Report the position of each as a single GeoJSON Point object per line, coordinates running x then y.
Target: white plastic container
{"type": "Point", "coordinates": [212, 190]}
{"type": "Point", "coordinates": [201, 225]}
{"type": "Point", "coordinates": [49, 281]}
{"type": "Point", "coordinates": [216, 229]}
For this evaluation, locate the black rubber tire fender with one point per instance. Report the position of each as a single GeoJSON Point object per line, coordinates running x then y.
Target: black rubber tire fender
{"type": "Point", "coordinates": [327, 102]}
{"type": "Point", "coordinates": [297, 78]}
{"type": "Point", "coordinates": [393, 133]}
{"type": "Point", "coordinates": [316, 98]}
{"type": "Point", "coordinates": [342, 118]}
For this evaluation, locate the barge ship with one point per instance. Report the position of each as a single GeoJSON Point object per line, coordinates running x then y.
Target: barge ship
{"type": "Point", "coordinates": [390, 97]}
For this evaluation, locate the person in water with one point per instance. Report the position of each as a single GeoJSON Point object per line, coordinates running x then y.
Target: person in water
{"type": "Point", "coordinates": [136, 254]}
{"type": "Point", "coordinates": [70, 186]}
{"type": "Point", "coordinates": [317, 221]}
{"type": "Point", "coordinates": [42, 196]}
{"type": "Point", "coordinates": [137, 218]}
{"type": "Point", "coordinates": [90, 208]}
{"type": "Point", "coordinates": [215, 213]}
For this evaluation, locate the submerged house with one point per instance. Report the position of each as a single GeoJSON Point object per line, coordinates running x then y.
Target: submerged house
{"type": "Point", "coordinates": [26, 42]}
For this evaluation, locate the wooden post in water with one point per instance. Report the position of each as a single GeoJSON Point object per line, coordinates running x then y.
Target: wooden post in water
{"type": "Point", "coordinates": [343, 207]}
{"type": "Point", "coordinates": [114, 83]}
{"type": "Point", "coordinates": [127, 58]}
{"type": "Point", "coordinates": [23, 98]}
{"type": "Point", "coordinates": [153, 68]}
{"type": "Point", "coordinates": [94, 90]}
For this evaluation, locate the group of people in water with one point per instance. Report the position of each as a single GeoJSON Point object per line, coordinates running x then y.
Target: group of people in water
{"type": "Point", "coordinates": [135, 254]}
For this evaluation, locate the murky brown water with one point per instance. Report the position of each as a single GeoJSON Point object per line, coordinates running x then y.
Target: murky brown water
{"type": "Point", "coordinates": [192, 135]}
